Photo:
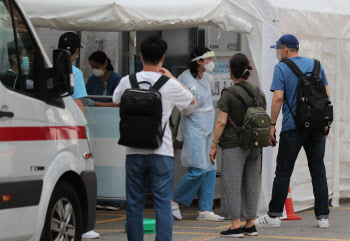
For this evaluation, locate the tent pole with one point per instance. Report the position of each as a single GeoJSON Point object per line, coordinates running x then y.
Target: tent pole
{"type": "Point", "coordinates": [77, 61]}
{"type": "Point", "coordinates": [336, 177]}
{"type": "Point", "coordinates": [132, 51]}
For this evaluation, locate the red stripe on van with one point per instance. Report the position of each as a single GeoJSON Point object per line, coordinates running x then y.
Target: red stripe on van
{"type": "Point", "coordinates": [42, 133]}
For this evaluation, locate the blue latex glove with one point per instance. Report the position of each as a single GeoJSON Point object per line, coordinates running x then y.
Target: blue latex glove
{"type": "Point", "coordinates": [88, 102]}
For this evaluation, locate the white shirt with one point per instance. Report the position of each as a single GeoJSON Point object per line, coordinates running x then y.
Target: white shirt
{"type": "Point", "coordinates": [172, 94]}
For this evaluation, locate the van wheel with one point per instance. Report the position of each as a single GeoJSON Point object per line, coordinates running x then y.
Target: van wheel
{"type": "Point", "coordinates": [63, 218]}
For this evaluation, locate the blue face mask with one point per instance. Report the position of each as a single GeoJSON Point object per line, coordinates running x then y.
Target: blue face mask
{"type": "Point", "coordinates": [25, 63]}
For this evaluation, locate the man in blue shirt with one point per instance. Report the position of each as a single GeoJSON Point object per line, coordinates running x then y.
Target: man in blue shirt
{"type": "Point", "coordinates": [71, 42]}
{"type": "Point", "coordinates": [284, 86]}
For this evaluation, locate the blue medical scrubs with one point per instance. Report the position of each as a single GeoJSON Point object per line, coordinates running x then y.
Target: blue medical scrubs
{"type": "Point", "coordinates": [94, 86]}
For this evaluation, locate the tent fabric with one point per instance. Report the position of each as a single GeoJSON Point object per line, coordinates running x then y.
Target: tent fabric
{"type": "Point", "coordinates": [124, 15]}
{"type": "Point", "coordinates": [322, 27]}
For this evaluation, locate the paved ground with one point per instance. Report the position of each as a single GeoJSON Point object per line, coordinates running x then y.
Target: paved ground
{"type": "Point", "coordinates": [111, 227]}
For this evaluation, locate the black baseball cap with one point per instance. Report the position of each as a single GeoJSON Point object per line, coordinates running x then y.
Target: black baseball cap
{"type": "Point", "coordinates": [69, 40]}
{"type": "Point", "coordinates": [287, 40]}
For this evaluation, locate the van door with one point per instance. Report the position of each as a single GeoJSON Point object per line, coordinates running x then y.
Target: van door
{"type": "Point", "coordinates": [27, 127]}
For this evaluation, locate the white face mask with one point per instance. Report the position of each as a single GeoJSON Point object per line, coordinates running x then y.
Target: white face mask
{"type": "Point", "coordinates": [209, 67]}
{"type": "Point", "coordinates": [98, 72]}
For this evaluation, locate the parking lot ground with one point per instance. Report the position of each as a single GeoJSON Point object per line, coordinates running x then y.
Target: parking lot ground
{"type": "Point", "coordinates": [111, 224]}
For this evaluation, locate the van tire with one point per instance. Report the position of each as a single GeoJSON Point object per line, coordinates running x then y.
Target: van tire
{"type": "Point", "coordinates": [65, 196]}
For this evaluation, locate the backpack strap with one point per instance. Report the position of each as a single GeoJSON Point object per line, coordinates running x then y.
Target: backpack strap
{"type": "Point", "coordinates": [133, 81]}
{"type": "Point", "coordinates": [293, 67]}
{"type": "Point", "coordinates": [160, 82]}
{"type": "Point", "coordinates": [317, 68]}
{"type": "Point", "coordinates": [255, 97]}
{"type": "Point", "coordinates": [237, 95]}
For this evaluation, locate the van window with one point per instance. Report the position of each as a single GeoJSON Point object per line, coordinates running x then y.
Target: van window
{"type": "Point", "coordinates": [16, 54]}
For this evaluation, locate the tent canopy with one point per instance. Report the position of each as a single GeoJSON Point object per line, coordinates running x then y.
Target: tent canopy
{"type": "Point", "coordinates": [124, 15]}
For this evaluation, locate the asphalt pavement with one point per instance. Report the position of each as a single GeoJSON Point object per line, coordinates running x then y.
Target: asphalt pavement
{"type": "Point", "coordinates": [111, 226]}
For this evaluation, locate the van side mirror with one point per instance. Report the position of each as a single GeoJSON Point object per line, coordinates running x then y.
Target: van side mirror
{"type": "Point", "coordinates": [63, 79]}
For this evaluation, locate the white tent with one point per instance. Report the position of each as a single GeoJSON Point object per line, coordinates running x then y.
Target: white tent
{"type": "Point", "coordinates": [322, 26]}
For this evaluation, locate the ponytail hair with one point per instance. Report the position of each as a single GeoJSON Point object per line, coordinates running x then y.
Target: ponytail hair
{"type": "Point", "coordinates": [100, 57]}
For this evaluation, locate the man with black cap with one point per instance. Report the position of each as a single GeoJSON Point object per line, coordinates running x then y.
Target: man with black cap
{"type": "Point", "coordinates": [284, 87]}
{"type": "Point", "coordinates": [71, 42]}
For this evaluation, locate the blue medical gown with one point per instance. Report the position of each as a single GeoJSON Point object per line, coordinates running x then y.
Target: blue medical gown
{"type": "Point", "coordinates": [196, 128]}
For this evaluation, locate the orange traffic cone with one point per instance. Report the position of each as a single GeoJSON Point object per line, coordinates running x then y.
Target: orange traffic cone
{"type": "Point", "coordinates": [290, 209]}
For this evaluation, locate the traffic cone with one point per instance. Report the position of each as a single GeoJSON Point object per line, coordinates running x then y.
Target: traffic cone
{"type": "Point", "coordinates": [290, 209]}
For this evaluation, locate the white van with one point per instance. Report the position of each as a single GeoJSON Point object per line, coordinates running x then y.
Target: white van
{"type": "Point", "coordinates": [47, 182]}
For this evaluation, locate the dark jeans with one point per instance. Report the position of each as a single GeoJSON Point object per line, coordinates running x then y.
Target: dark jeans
{"type": "Point", "coordinates": [159, 170]}
{"type": "Point", "coordinates": [290, 143]}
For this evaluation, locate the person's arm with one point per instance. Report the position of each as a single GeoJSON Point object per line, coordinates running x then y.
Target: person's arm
{"type": "Point", "coordinates": [328, 94]}
{"type": "Point", "coordinates": [276, 104]}
{"type": "Point", "coordinates": [106, 104]}
{"type": "Point", "coordinates": [219, 128]}
{"type": "Point", "coordinates": [80, 104]}
{"type": "Point", "coordinates": [167, 73]}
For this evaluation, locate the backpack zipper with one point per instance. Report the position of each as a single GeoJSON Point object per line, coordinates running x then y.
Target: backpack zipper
{"type": "Point", "coordinates": [140, 91]}
{"type": "Point", "coordinates": [252, 116]}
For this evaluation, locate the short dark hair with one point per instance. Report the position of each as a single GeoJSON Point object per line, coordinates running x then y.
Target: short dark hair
{"type": "Point", "coordinates": [197, 51]}
{"type": "Point", "coordinates": [100, 57]}
{"type": "Point", "coordinates": [153, 49]}
{"type": "Point", "coordinates": [238, 64]}
{"type": "Point", "coordinates": [293, 50]}
{"type": "Point", "coordinates": [11, 50]}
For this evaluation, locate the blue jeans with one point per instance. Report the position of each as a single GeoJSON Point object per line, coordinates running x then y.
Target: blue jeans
{"type": "Point", "coordinates": [200, 182]}
{"type": "Point", "coordinates": [158, 170]}
{"type": "Point", "coordinates": [314, 144]}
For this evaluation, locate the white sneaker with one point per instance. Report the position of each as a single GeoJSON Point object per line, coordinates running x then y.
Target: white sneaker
{"type": "Point", "coordinates": [209, 216]}
{"type": "Point", "coordinates": [266, 221]}
{"type": "Point", "coordinates": [91, 235]}
{"type": "Point", "coordinates": [323, 223]}
{"type": "Point", "coordinates": [176, 210]}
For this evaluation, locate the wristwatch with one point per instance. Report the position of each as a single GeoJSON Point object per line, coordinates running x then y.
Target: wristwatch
{"type": "Point", "coordinates": [215, 142]}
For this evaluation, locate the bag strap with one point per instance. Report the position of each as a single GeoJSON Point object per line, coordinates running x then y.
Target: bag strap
{"type": "Point", "coordinates": [160, 82]}
{"type": "Point", "coordinates": [133, 81]}
{"type": "Point", "coordinates": [239, 97]}
{"type": "Point", "coordinates": [290, 109]}
{"type": "Point", "coordinates": [293, 67]}
{"type": "Point", "coordinates": [255, 97]}
{"type": "Point", "coordinates": [317, 68]}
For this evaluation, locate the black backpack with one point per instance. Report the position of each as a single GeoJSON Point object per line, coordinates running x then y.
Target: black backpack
{"type": "Point", "coordinates": [314, 110]}
{"type": "Point", "coordinates": [141, 115]}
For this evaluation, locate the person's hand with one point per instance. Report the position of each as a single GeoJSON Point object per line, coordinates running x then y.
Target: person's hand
{"type": "Point", "coordinates": [88, 102]}
{"type": "Point", "coordinates": [166, 72]}
{"type": "Point", "coordinates": [273, 140]}
{"type": "Point", "coordinates": [212, 153]}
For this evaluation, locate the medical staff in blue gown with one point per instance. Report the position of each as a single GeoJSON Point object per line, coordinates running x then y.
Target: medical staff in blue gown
{"type": "Point", "coordinates": [103, 82]}
{"type": "Point", "coordinates": [196, 131]}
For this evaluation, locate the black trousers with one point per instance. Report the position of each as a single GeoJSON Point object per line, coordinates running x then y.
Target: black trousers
{"type": "Point", "coordinates": [290, 143]}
